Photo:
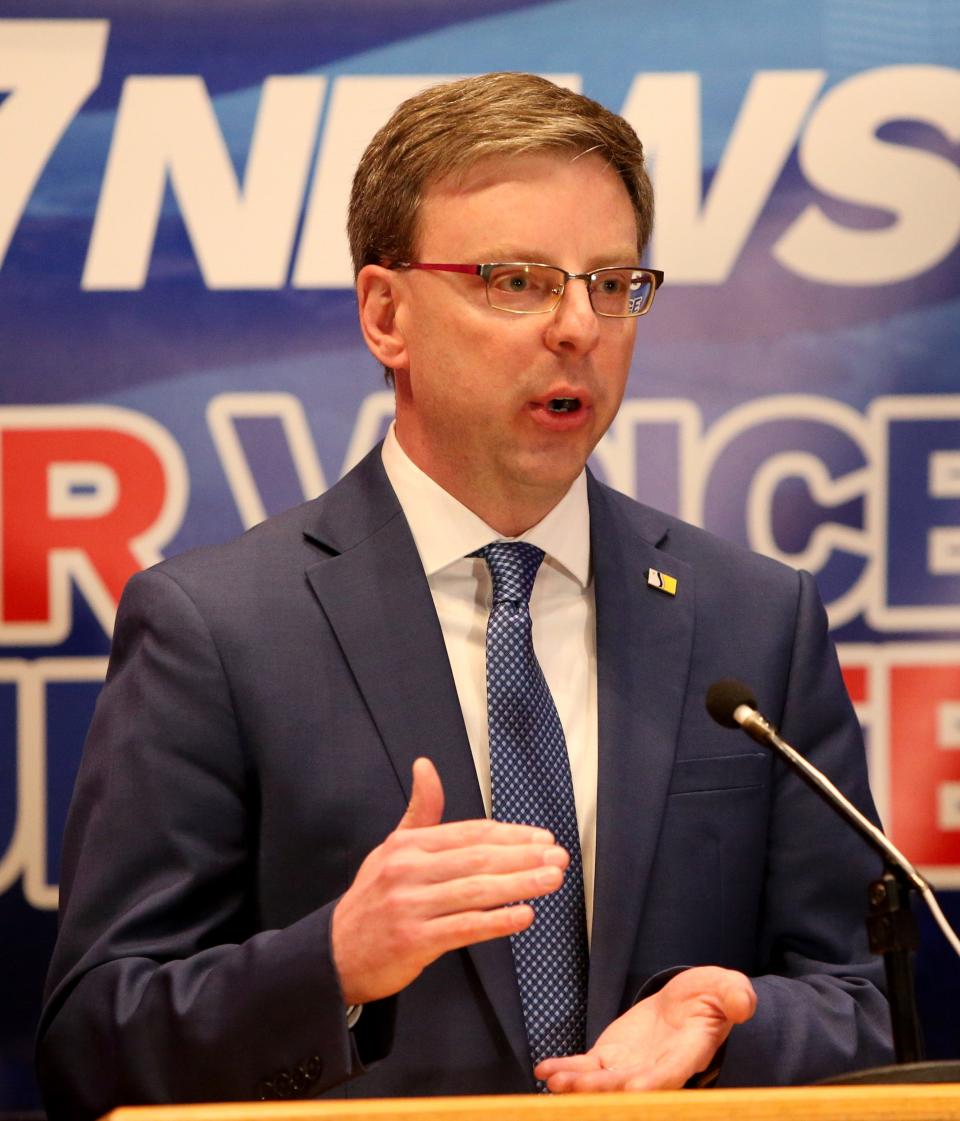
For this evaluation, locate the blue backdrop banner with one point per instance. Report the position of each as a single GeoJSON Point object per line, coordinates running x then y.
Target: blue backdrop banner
{"type": "Point", "coordinates": [179, 354]}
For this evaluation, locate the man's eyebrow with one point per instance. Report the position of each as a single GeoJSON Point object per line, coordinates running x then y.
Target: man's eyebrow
{"type": "Point", "coordinates": [536, 256]}
{"type": "Point", "coordinates": [603, 260]}
{"type": "Point", "coordinates": [512, 253]}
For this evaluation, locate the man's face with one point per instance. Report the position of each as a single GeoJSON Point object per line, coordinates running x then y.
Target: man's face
{"type": "Point", "coordinates": [475, 384]}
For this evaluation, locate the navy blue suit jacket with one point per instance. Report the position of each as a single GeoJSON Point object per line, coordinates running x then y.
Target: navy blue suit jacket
{"type": "Point", "coordinates": [253, 742]}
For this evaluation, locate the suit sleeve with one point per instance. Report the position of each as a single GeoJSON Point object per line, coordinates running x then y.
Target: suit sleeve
{"type": "Point", "coordinates": [163, 987]}
{"type": "Point", "coordinates": [820, 1007]}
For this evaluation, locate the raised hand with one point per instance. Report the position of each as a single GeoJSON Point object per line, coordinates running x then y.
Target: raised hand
{"type": "Point", "coordinates": [430, 888]}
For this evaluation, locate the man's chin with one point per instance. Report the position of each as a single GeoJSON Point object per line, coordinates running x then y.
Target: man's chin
{"type": "Point", "coordinates": [557, 462]}
{"type": "Point", "coordinates": [550, 473]}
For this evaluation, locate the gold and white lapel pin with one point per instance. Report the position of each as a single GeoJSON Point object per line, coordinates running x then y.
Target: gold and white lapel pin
{"type": "Point", "coordinates": [663, 581]}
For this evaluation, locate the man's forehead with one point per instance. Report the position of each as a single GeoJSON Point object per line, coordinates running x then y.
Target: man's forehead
{"type": "Point", "coordinates": [503, 177]}
{"type": "Point", "coordinates": [490, 171]}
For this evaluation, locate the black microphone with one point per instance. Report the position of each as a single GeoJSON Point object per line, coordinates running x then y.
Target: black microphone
{"type": "Point", "coordinates": [724, 697]}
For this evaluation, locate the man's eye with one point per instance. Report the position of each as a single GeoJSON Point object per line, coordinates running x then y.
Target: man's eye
{"type": "Point", "coordinates": [511, 281]}
{"type": "Point", "coordinates": [612, 285]}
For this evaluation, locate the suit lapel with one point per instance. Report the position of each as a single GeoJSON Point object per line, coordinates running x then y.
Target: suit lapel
{"type": "Point", "coordinates": [375, 595]}
{"type": "Point", "coordinates": [644, 639]}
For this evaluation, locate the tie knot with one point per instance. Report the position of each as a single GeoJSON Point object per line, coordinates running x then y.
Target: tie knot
{"type": "Point", "coordinates": [513, 567]}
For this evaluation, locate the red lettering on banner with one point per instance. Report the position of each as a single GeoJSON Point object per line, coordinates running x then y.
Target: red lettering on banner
{"type": "Point", "coordinates": [924, 712]}
{"type": "Point", "coordinates": [32, 532]}
{"type": "Point", "coordinates": [855, 679]}
{"type": "Point", "coordinates": [87, 496]}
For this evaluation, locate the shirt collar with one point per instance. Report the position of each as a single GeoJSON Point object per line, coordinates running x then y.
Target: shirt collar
{"type": "Point", "coordinates": [444, 530]}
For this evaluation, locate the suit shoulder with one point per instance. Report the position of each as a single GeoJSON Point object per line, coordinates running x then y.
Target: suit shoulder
{"type": "Point", "coordinates": [709, 553]}
{"type": "Point", "coordinates": [277, 542]}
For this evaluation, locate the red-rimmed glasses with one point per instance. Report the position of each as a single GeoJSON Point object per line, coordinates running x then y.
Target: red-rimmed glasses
{"type": "Point", "coordinates": [526, 288]}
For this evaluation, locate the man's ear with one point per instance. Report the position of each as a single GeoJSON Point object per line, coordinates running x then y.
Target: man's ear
{"type": "Point", "coordinates": [376, 298]}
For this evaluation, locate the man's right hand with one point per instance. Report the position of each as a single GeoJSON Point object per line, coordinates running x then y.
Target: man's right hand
{"type": "Point", "coordinates": [430, 888]}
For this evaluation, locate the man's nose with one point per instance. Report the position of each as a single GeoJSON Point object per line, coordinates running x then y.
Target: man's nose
{"type": "Point", "coordinates": [574, 325]}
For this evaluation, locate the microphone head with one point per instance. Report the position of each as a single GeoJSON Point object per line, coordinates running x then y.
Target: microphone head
{"type": "Point", "coordinates": [725, 697]}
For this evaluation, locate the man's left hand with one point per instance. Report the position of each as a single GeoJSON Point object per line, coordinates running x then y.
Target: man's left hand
{"type": "Point", "coordinates": [662, 1041]}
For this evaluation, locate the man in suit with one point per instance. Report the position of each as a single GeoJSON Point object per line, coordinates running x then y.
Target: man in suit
{"type": "Point", "coordinates": [281, 874]}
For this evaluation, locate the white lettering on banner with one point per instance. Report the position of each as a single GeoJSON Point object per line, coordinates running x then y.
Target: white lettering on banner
{"type": "Point", "coordinates": [824, 489]}
{"type": "Point", "coordinates": [943, 551]}
{"type": "Point", "coordinates": [686, 478]}
{"type": "Point", "coordinates": [943, 547]}
{"type": "Point", "coordinates": [26, 854]}
{"type": "Point", "coordinates": [166, 126]}
{"type": "Point", "coordinates": [104, 489]}
{"type": "Point", "coordinates": [373, 420]}
{"type": "Point", "coordinates": [81, 490]}
{"type": "Point", "coordinates": [908, 434]}
{"type": "Point", "coordinates": [841, 155]}
{"type": "Point", "coordinates": [809, 468]}
{"type": "Point", "coordinates": [225, 409]}
{"type": "Point", "coordinates": [359, 105]}
{"type": "Point", "coordinates": [945, 474]}
{"type": "Point", "coordinates": [625, 466]}
{"type": "Point", "coordinates": [948, 806]}
{"type": "Point", "coordinates": [244, 236]}
{"type": "Point", "coordinates": [94, 539]}
{"type": "Point", "coordinates": [699, 244]}
{"type": "Point", "coordinates": [50, 68]}
{"type": "Point", "coordinates": [222, 414]}
{"type": "Point", "coordinates": [948, 725]}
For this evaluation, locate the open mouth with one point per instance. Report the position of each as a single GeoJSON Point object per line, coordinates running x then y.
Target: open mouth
{"type": "Point", "coordinates": [563, 404]}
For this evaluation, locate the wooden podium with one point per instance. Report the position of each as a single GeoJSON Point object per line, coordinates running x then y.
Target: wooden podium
{"type": "Point", "coordinates": [938, 1102]}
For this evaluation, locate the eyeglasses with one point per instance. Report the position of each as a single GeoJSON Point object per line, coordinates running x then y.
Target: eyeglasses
{"type": "Point", "coordinates": [620, 292]}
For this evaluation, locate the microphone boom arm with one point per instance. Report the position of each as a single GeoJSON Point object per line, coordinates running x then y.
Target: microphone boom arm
{"type": "Point", "coordinates": [891, 927]}
{"type": "Point", "coordinates": [764, 733]}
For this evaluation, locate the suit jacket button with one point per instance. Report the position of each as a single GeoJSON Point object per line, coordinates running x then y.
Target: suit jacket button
{"type": "Point", "coordinates": [313, 1067]}
{"type": "Point", "coordinates": [283, 1084]}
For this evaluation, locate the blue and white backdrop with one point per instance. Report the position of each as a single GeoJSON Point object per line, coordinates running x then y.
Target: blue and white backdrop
{"type": "Point", "coordinates": [179, 355]}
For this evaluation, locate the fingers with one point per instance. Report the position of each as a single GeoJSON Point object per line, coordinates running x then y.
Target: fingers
{"type": "Point", "coordinates": [482, 831]}
{"type": "Point", "coordinates": [574, 1064]}
{"type": "Point", "coordinates": [478, 860]}
{"type": "Point", "coordinates": [425, 807]}
{"type": "Point", "coordinates": [665, 1075]}
{"type": "Point", "coordinates": [430, 888]}
{"type": "Point", "coordinates": [600, 1070]}
{"type": "Point", "coordinates": [590, 1082]}
{"type": "Point", "coordinates": [481, 893]}
{"type": "Point", "coordinates": [452, 932]}
{"type": "Point", "coordinates": [426, 885]}
{"type": "Point", "coordinates": [588, 1074]}
{"type": "Point", "coordinates": [427, 881]}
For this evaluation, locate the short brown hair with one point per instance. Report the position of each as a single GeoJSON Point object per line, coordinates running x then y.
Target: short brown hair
{"type": "Point", "coordinates": [449, 127]}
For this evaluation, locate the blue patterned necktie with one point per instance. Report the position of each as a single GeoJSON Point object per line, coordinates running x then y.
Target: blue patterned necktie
{"type": "Point", "coordinates": [530, 778]}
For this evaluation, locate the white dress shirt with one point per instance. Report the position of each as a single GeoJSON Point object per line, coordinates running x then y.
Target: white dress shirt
{"type": "Point", "coordinates": [562, 608]}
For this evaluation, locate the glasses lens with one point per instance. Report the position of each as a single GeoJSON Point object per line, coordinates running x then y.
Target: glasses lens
{"type": "Point", "coordinates": [621, 292]}
{"type": "Point", "coordinates": [524, 287]}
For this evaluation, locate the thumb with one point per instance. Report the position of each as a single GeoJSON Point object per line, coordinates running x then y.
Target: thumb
{"type": "Point", "coordinates": [739, 998]}
{"type": "Point", "coordinates": [426, 798]}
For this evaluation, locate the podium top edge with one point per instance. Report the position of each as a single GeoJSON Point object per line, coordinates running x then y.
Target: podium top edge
{"type": "Point", "coordinates": [928, 1102]}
